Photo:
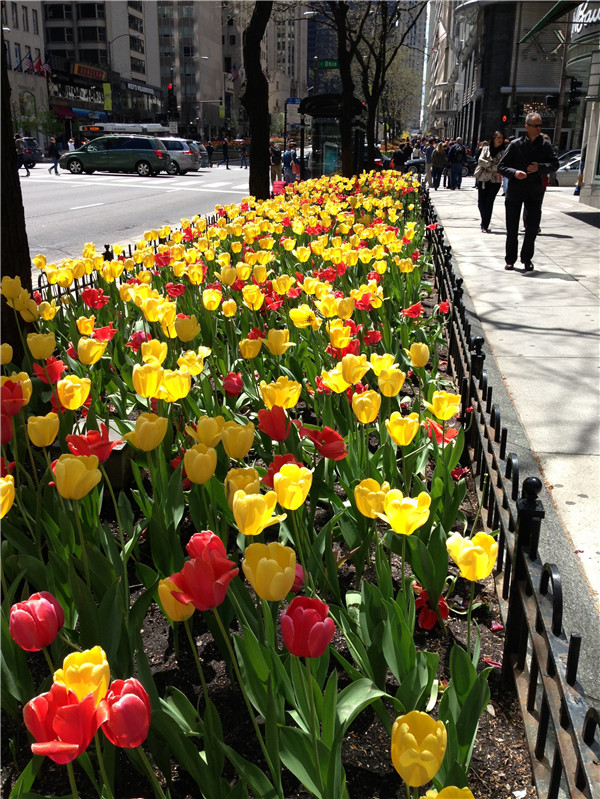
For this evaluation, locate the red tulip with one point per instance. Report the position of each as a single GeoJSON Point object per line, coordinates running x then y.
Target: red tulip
{"type": "Point", "coordinates": [414, 311]}
{"type": "Point", "coordinates": [306, 627]}
{"type": "Point", "coordinates": [6, 428]}
{"type": "Point", "coordinates": [233, 384]}
{"type": "Point", "coordinates": [371, 338]}
{"type": "Point", "coordinates": [52, 372]}
{"type": "Point", "coordinates": [327, 441]}
{"type": "Point", "coordinates": [276, 464]}
{"type": "Point", "coordinates": [35, 623]}
{"type": "Point", "coordinates": [433, 428]}
{"type": "Point", "coordinates": [203, 580]}
{"type": "Point", "coordinates": [11, 397]}
{"type": "Point", "coordinates": [94, 298]}
{"type": "Point", "coordinates": [274, 423]}
{"type": "Point", "coordinates": [427, 616]}
{"type": "Point", "coordinates": [106, 333]}
{"type": "Point", "coordinates": [128, 713]}
{"type": "Point", "coordinates": [62, 725]}
{"type": "Point", "coordinates": [137, 339]}
{"type": "Point", "coordinates": [300, 579]}
{"type": "Point", "coordinates": [93, 443]}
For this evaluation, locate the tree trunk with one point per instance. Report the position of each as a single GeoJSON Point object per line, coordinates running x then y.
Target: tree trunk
{"type": "Point", "coordinates": [255, 99]}
{"type": "Point", "coordinates": [15, 247]}
{"type": "Point", "coordinates": [340, 15]}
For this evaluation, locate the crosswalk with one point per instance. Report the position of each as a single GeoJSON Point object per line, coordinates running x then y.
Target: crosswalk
{"type": "Point", "coordinates": [192, 182]}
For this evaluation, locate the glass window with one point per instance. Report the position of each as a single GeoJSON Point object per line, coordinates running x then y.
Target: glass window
{"type": "Point", "coordinates": [34, 21]}
{"type": "Point", "coordinates": [90, 10]}
{"type": "Point", "coordinates": [87, 33]}
{"type": "Point", "coordinates": [143, 144]}
{"type": "Point", "coordinates": [59, 11]}
{"type": "Point", "coordinates": [189, 52]}
{"type": "Point", "coordinates": [4, 16]}
{"type": "Point", "coordinates": [232, 39]}
{"type": "Point", "coordinates": [136, 44]}
{"type": "Point", "coordinates": [98, 145]}
{"type": "Point", "coordinates": [123, 144]}
{"type": "Point", "coordinates": [137, 4]}
{"type": "Point", "coordinates": [25, 17]}
{"type": "Point", "coordinates": [135, 23]}
{"type": "Point", "coordinates": [15, 15]}
{"type": "Point", "coordinates": [18, 66]}
{"type": "Point", "coordinates": [138, 66]}
{"type": "Point", "coordinates": [8, 61]}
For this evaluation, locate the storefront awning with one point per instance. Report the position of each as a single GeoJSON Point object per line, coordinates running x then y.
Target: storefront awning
{"type": "Point", "coordinates": [559, 9]}
{"type": "Point", "coordinates": [63, 112]}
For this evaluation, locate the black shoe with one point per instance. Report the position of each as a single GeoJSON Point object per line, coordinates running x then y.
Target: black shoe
{"type": "Point", "coordinates": [509, 267]}
{"type": "Point", "coordinates": [529, 267]}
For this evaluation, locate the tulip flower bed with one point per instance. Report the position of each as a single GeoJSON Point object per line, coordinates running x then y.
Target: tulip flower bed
{"type": "Point", "coordinates": [276, 575]}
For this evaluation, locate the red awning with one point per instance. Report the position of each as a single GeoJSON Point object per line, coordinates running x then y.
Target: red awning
{"type": "Point", "coordinates": [64, 113]}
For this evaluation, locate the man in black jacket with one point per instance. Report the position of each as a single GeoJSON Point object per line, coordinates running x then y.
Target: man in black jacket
{"type": "Point", "coordinates": [524, 162]}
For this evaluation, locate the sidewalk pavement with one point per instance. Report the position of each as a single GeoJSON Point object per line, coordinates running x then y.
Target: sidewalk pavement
{"type": "Point", "coordinates": [541, 330]}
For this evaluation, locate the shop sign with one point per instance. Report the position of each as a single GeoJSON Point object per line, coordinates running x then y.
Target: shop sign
{"type": "Point", "coordinates": [586, 20]}
{"type": "Point", "coordinates": [89, 72]}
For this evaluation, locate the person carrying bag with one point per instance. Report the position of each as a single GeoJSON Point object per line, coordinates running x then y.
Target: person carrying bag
{"type": "Point", "coordinates": [488, 179]}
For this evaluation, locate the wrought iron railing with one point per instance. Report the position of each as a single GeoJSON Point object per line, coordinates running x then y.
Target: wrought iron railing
{"type": "Point", "coordinates": [560, 724]}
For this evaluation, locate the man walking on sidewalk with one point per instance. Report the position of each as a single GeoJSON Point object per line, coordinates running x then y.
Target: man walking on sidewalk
{"type": "Point", "coordinates": [525, 161]}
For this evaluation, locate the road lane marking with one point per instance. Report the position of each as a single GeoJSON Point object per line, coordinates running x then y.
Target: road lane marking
{"type": "Point", "coordinates": [91, 205]}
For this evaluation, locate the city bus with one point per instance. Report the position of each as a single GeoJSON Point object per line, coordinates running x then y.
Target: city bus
{"type": "Point", "coordinates": [103, 128]}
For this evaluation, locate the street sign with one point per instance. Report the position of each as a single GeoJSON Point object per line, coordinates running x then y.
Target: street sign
{"type": "Point", "coordinates": [293, 100]}
{"type": "Point", "coordinates": [173, 127]}
{"type": "Point", "coordinates": [328, 63]}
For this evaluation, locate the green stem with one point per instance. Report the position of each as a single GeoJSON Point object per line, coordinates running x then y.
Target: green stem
{"type": "Point", "coordinates": [84, 556]}
{"type": "Point", "coordinates": [480, 506]}
{"type": "Point", "coordinates": [403, 559]}
{"type": "Point", "coordinates": [114, 499]}
{"type": "Point", "coordinates": [158, 791]}
{"type": "Point", "coordinates": [105, 780]}
{"type": "Point", "coordinates": [197, 659]}
{"type": "Point", "coordinates": [313, 725]}
{"type": "Point", "coordinates": [29, 450]}
{"type": "Point", "coordinates": [273, 767]}
{"type": "Point", "coordinates": [48, 660]}
{"type": "Point", "coordinates": [72, 782]}
{"type": "Point", "coordinates": [471, 598]}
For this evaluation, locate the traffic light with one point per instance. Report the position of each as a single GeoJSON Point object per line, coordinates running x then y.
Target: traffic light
{"type": "Point", "coordinates": [172, 102]}
{"type": "Point", "coordinates": [504, 119]}
{"type": "Point", "coordinates": [575, 93]}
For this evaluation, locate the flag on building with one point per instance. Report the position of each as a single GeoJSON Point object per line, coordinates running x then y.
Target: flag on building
{"type": "Point", "coordinates": [46, 70]}
{"type": "Point", "coordinates": [28, 63]}
{"type": "Point", "coordinates": [38, 66]}
{"type": "Point", "coordinates": [234, 72]}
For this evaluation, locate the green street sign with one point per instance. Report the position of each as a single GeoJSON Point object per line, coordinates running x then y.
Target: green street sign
{"type": "Point", "coordinates": [328, 63]}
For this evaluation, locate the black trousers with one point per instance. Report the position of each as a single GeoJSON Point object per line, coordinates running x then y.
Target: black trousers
{"type": "Point", "coordinates": [513, 206]}
{"type": "Point", "coordinates": [486, 194]}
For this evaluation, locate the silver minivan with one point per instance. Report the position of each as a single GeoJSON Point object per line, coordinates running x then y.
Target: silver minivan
{"type": "Point", "coordinates": [184, 158]}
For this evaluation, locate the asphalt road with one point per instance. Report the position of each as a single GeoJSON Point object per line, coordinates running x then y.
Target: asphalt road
{"type": "Point", "coordinates": [63, 213]}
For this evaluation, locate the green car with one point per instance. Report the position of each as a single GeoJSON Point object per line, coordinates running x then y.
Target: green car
{"type": "Point", "coordinates": [142, 154]}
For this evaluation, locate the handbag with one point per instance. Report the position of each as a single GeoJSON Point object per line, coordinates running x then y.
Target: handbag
{"type": "Point", "coordinates": [295, 168]}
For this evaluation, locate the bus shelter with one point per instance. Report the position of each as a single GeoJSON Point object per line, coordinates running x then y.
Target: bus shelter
{"type": "Point", "coordinates": [324, 157]}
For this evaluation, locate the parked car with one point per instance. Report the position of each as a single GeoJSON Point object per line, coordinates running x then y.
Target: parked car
{"type": "Point", "coordinates": [380, 162]}
{"type": "Point", "coordinates": [32, 152]}
{"type": "Point", "coordinates": [204, 162]}
{"type": "Point", "coordinates": [145, 155]}
{"type": "Point", "coordinates": [568, 173]}
{"type": "Point", "coordinates": [566, 157]}
{"type": "Point", "coordinates": [184, 156]}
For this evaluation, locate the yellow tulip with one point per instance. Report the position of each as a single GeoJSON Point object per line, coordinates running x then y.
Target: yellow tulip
{"type": "Point", "coordinates": [85, 325]}
{"type": "Point", "coordinates": [419, 354]}
{"type": "Point", "coordinates": [200, 463]}
{"type": "Point", "coordinates": [354, 368]}
{"type": "Point", "coordinates": [444, 405]}
{"type": "Point", "coordinates": [208, 430]}
{"type": "Point", "coordinates": [6, 354]}
{"type": "Point", "coordinates": [259, 273]}
{"type": "Point", "coordinates": [334, 381]}
{"type": "Point", "coordinates": [402, 429]}
{"type": "Point", "coordinates": [303, 316]}
{"type": "Point", "coordinates": [452, 792]}
{"type": "Point", "coordinates": [282, 284]}
{"type": "Point", "coordinates": [85, 673]}
{"type": "Point", "coordinates": [173, 610]}
{"type": "Point", "coordinates": [418, 747]}
{"type": "Point", "coordinates": [369, 497]}
{"type": "Point", "coordinates": [404, 514]}
{"type": "Point", "coordinates": [187, 328]}
{"type": "Point", "coordinates": [366, 406]}
{"type": "Point", "coordinates": [284, 392]}
{"type": "Point", "coordinates": [250, 347]}
{"type": "Point", "coordinates": [339, 335]}
{"type": "Point", "coordinates": [229, 308]}
{"type": "Point", "coordinates": [253, 297]}
{"type": "Point", "coordinates": [475, 557]}
{"type": "Point", "coordinates": [89, 350]}
{"type": "Point", "coordinates": [278, 341]}
{"type": "Point", "coordinates": [302, 254]}
{"type": "Point", "coordinates": [76, 475]}
{"type": "Point", "coordinates": [270, 569]}
{"type": "Point", "coordinates": [42, 430]}
{"type": "Point", "coordinates": [328, 307]}
{"type": "Point", "coordinates": [390, 381]}
{"type": "Point", "coordinates": [237, 439]}
{"type": "Point", "coordinates": [292, 484]}
{"type": "Point", "coordinates": [7, 494]}
{"type": "Point", "coordinates": [41, 345]}
{"type": "Point", "coordinates": [73, 391]}
{"type": "Point", "coordinates": [381, 362]}
{"type": "Point", "coordinates": [149, 432]}
{"type": "Point", "coordinates": [154, 351]}
{"type": "Point", "coordinates": [147, 378]}
{"type": "Point", "coordinates": [48, 310]}
{"type": "Point", "coordinates": [211, 299]}
{"type": "Point", "coordinates": [254, 512]}
{"type": "Point", "coordinates": [345, 307]}
{"type": "Point", "coordinates": [246, 479]}
{"type": "Point", "coordinates": [11, 287]}
{"type": "Point", "coordinates": [191, 362]}
{"type": "Point", "coordinates": [175, 385]}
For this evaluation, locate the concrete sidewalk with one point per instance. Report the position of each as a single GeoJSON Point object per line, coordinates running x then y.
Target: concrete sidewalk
{"type": "Point", "coordinates": [541, 330]}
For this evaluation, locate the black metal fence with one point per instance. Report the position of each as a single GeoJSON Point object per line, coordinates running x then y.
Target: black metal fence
{"type": "Point", "coordinates": [560, 725]}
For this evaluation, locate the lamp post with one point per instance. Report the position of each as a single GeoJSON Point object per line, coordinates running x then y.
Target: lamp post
{"type": "Point", "coordinates": [109, 45]}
